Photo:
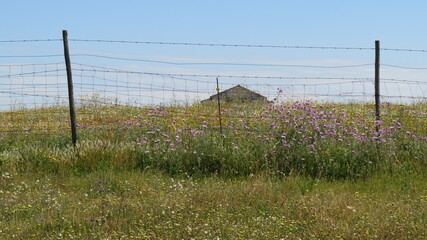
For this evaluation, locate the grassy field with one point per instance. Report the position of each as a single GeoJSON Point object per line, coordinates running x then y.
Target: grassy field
{"type": "Point", "coordinates": [299, 170]}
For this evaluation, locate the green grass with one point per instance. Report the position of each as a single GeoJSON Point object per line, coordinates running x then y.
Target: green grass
{"type": "Point", "coordinates": [151, 205]}
{"type": "Point", "coordinates": [299, 170]}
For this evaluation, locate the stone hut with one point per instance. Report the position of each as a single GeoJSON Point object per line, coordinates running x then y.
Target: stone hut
{"type": "Point", "coordinates": [237, 93]}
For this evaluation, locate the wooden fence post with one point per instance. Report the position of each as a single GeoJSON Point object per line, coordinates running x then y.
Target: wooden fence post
{"type": "Point", "coordinates": [70, 87]}
{"type": "Point", "coordinates": [377, 83]}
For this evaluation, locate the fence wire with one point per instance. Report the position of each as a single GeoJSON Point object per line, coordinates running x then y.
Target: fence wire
{"type": "Point", "coordinates": [121, 92]}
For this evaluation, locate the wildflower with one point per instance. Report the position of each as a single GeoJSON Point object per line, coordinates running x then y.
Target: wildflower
{"type": "Point", "coordinates": [165, 135]}
{"type": "Point", "coordinates": [351, 208]}
{"type": "Point", "coordinates": [6, 175]}
{"type": "Point", "coordinates": [378, 123]}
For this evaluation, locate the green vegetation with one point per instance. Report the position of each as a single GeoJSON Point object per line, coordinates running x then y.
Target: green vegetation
{"type": "Point", "coordinates": [298, 170]}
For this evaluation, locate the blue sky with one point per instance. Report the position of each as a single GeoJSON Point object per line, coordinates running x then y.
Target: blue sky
{"type": "Point", "coordinates": [397, 24]}
{"type": "Point", "coordinates": [329, 22]}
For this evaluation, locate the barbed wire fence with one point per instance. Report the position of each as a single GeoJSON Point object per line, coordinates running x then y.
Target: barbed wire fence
{"type": "Point", "coordinates": [28, 87]}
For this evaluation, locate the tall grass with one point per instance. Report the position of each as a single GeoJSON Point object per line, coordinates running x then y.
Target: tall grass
{"type": "Point", "coordinates": [298, 170]}
{"type": "Point", "coordinates": [326, 140]}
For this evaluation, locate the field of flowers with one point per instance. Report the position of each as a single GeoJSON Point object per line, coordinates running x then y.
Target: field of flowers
{"type": "Point", "coordinates": [305, 170]}
{"type": "Point", "coordinates": [334, 141]}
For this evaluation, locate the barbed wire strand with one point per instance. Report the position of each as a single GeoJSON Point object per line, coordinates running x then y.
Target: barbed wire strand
{"type": "Point", "coordinates": [219, 44]}
{"type": "Point", "coordinates": [219, 63]}
{"type": "Point", "coordinates": [30, 40]}
{"type": "Point", "coordinates": [200, 75]}
{"type": "Point", "coordinates": [30, 73]}
{"type": "Point", "coordinates": [404, 67]}
{"type": "Point", "coordinates": [32, 56]}
{"type": "Point", "coordinates": [215, 44]}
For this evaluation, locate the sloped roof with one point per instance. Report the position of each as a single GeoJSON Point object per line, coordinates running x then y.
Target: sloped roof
{"type": "Point", "coordinates": [237, 93]}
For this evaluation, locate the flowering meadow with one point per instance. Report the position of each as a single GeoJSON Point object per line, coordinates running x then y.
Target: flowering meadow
{"type": "Point", "coordinates": [304, 169]}
{"type": "Point", "coordinates": [333, 141]}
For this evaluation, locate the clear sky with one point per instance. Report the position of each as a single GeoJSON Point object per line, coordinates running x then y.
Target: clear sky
{"type": "Point", "coordinates": [311, 22]}
{"type": "Point", "coordinates": [339, 23]}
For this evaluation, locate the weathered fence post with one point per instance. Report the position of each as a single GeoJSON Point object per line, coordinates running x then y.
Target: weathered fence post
{"type": "Point", "coordinates": [377, 82]}
{"type": "Point", "coordinates": [219, 106]}
{"type": "Point", "coordinates": [70, 87]}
